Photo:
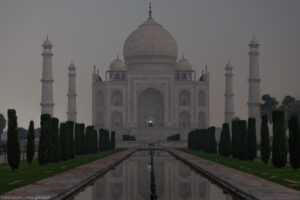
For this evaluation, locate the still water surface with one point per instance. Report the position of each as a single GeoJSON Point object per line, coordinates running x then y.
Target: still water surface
{"type": "Point", "coordinates": [130, 180]}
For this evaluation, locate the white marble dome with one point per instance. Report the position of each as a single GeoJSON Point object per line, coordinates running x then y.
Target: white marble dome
{"type": "Point", "coordinates": [183, 64]}
{"type": "Point", "coordinates": [117, 65]}
{"type": "Point", "coordinates": [151, 42]}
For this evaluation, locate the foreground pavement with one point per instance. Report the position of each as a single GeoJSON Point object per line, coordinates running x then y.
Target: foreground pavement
{"type": "Point", "coordinates": [63, 185]}
{"type": "Point", "coordinates": [241, 184]}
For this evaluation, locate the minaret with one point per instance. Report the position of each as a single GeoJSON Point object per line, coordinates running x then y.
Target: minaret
{"type": "Point", "coordinates": [229, 110]}
{"type": "Point", "coordinates": [254, 82]}
{"type": "Point", "coordinates": [72, 93]}
{"type": "Point", "coordinates": [47, 80]}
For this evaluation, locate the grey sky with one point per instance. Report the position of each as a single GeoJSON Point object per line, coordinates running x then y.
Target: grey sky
{"type": "Point", "coordinates": [93, 32]}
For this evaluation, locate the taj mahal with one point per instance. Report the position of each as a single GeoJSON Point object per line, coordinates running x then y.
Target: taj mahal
{"type": "Point", "coordinates": [153, 93]}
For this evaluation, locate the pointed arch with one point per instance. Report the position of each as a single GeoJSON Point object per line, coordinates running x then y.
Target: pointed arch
{"type": "Point", "coordinates": [116, 98]}
{"type": "Point", "coordinates": [184, 98]}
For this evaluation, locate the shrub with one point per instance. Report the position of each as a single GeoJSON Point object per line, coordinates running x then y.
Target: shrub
{"type": "Point", "coordinates": [44, 143]}
{"type": "Point", "coordinates": [64, 142]}
{"type": "Point", "coordinates": [113, 140]}
{"type": "Point", "coordinates": [235, 138]}
{"type": "Point", "coordinates": [70, 133]}
{"type": "Point", "coordinates": [251, 141]}
{"type": "Point", "coordinates": [279, 150]}
{"type": "Point", "coordinates": [294, 141]}
{"type": "Point", "coordinates": [77, 139]}
{"type": "Point", "coordinates": [212, 140]}
{"type": "Point", "coordinates": [242, 136]}
{"type": "Point", "coordinates": [30, 148]}
{"type": "Point", "coordinates": [225, 141]}
{"type": "Point", "coordinates": [54, 141]}
{"type": "Point", "coordinates": [13, 147]}
{"type": "Point", "coordinates": [265, 140]}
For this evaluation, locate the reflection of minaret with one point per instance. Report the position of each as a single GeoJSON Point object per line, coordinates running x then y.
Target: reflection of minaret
{"type": "Point", "coordinates": [254, 81]}
{"type": "Point", "coordinates": [72, 93]}
{"type": "Point", "coordinates": [47, 81]}
{"type": "Point", "coordinates": [229, 111]}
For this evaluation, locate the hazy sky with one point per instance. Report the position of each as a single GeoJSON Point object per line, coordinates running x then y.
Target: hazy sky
{"type": "Point", "coordinates": [93, 32]}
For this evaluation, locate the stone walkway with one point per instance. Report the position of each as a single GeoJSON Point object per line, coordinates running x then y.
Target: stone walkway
{"type": "Point", "coordinates": [243, 184]}
{"type": "Point", "coordinates": [64, 184]}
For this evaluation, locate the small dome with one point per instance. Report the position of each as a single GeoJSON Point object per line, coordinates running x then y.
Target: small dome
{"type": "Point", "coordinates": [47, 42]}
{"type": "Point", "coordinates": [183, 64]}
{"type": "Point", "coordinates": [150, 42]}
{"type": "Point", "coordinates": [117, 65]}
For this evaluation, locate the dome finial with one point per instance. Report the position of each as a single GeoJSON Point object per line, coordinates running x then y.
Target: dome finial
{"type": "Point", "coordinates": [150, 10]}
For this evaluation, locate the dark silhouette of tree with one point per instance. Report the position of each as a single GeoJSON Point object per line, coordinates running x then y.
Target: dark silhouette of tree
{"type": "Point", "coordinates": [265, 140]}
{"type": "Point", "coordinates": [70, 133]}
{"type": "Point", "coordinates": [13, 147]}
{"type": "Point", "coordinates": [294, 141]}
{"type": "Point", "coordinates": [44, 143]}
{"type": "Point", "coordinates": [113, 140]}
{"type": "Point", "coordinates": [64, 142]}
{"type": "Point", "coordinates": [279, 147]}
{"type": "Point", "coordinates": [225, 141]}
{"type": "Point", "coordinates": [212, 140]}
{"type": "Point", "coordinates": [251, 141]}
{"type": "Point", "coordinates": [2, 125]}
{"type": "Point", "coordinates": [54, 141]}
{"type": "Point", "coordinates": [242, 135]}
{"type": "Point", "coordinates": [30, 143]}
{"type": "Point", "coordinates": [235, 138]}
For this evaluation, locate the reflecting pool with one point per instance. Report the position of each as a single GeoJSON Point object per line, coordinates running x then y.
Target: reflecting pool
{"type": "Point", "coordinates": [130, 180]}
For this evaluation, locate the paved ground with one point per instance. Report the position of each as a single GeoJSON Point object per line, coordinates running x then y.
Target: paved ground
{"type": "Point", "coordinates": [61, 185]}
{"type": "Point", "coordinates": [237, 180]}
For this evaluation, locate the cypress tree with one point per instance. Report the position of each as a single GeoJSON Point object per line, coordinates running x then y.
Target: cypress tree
{"type": "Point", "coordinates": [77, 138]}
{"type": "Point", "coordinates": [30, 147]}
{"type": "Point", "coordinates": [242, 136]}
{"type": "Point", "coordinates": [251, 141]}
{"type": "Point", "coordinates": [199, 139]}
{"type": "Point", "coordinates": [212, 140]}
{"type": "Point", "coordinates": [265, 140]}
{"type": "Point", "coordinates": [101, 139]}
{"type": "Point", "coordinates": [294, 141]}
{"type": "Point", "coordinates": [225, 141]}
{"type": "Point", "coordinates": [235, 138]}
{"type": "Point", "coordinates": [70, 130]}
{"type": "Point", "coordinates": [82, 140]}
{"type": "Point", "coordinates": [64, 142]}
{"type": "Point", "coordinates": [206, 140]}
{"type": "Point", "coordinates": [96, 140]}
{"type": "Point", "coordinates": [54, 141]}
{"type": "Point", "coordinates": [13, 147]}
{"type": "Point", "coordinates": [44, 143]}
{"type": "Point", "coordinates": [87, 140]}
{"type": "Point", "coordinates": [113, 140]}
{"type": "Point", "coordinates": [279, 150]}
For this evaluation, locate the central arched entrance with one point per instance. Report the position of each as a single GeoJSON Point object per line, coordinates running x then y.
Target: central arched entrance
{"type": "Point", "coordinates": [150, 108]}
